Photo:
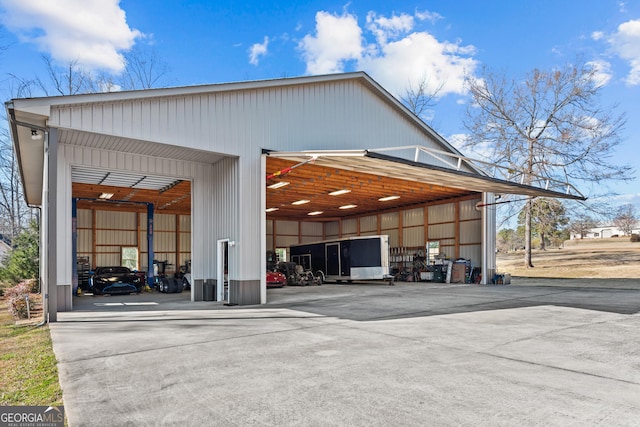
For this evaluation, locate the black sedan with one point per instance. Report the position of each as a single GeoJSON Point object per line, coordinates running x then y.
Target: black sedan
{"type": "Point", "coordinates": [115, 280]}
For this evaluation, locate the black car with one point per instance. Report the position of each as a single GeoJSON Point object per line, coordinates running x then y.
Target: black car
{"type": "Point", "coordinates": [115, 280]}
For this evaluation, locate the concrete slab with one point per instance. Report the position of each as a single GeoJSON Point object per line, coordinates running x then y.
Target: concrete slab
{"type": "Point", "coordinates": [358, 355]}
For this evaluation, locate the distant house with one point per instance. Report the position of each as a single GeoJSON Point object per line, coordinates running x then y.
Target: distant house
{"type": "Point", "coordinates": [603, 232]}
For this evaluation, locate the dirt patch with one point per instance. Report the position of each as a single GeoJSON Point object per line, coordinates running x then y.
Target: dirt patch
{"type": "Point", "coordinates": [596, 259]}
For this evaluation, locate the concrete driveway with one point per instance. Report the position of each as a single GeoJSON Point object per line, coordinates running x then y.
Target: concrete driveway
{"type": "Point", "coordinates": [413, 354]}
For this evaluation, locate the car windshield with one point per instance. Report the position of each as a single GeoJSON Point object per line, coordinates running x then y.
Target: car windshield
{"type": "Point", "coordinates": [112, 270]}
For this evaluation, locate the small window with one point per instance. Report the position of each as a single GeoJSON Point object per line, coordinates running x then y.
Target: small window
{"type": "Point", "coordinates": [129, 257]}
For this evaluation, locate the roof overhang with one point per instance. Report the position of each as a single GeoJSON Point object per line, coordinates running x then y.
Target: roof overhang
{"type": "Point", "coordinates": [464, 173]}
{"type": "Point", "coordinates": [30, 150]}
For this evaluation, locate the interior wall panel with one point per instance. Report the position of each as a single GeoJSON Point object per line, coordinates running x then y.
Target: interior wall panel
{"type": "Point", "coordinates": [441, 213]}
{"type": "Point", "coordinates": [350, 227]}
{"type": "Point", "coordinates": [368, 224]}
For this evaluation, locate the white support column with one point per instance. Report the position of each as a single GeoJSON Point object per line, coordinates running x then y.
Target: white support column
{"type": "Point", "coordinates": [488, 237]}
{"type": "Point", "coordinates": [49, 219]}
{"type": "Point", "coordinates": [263, 229]}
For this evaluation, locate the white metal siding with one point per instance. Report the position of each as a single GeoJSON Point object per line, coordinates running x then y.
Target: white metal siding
{"type": "Point", "coordinates": [287, 227]}
{"type": "Point", "coordinates": [369, 224]}
{"type": "Point", "coordinates": [468, 210]}
{"type": "Point", "coordinates": [311, 228]}
{"type": "Point", "coordinates": [332, 230]}
{"type": "Point", "coordinates": [441, 213]}
{"type": "Point", "coordinates": [413, 217]}
{"type": "Point", "coordinates": [413, 236]}
{"type": "Point", "coordinates": [470, 232]}
{"type": "Point", "coordinates": [333, 115]}
{"type": "Point", "coordinates": [389, 221]}
{"type": "Point", "coordinates": [350, 227]}
{"type": "Point", "coordinates": [473, 253]}
{"type": "Point", "coordinates": [442, 231]}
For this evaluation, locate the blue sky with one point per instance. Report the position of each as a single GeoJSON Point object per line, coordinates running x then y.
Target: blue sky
{"type": "Point", "coordinates": [397, 43]}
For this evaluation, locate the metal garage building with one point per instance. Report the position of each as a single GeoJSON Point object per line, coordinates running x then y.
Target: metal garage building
{"type": "Point", "coordinates": [196, 166]}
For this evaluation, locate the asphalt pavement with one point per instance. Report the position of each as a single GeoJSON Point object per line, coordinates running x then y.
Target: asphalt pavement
{"type": "Point", "coordinates": [414, 354]}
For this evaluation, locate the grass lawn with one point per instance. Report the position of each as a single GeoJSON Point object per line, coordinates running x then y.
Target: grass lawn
{"type": "Point", "coordinates": [27, 362]}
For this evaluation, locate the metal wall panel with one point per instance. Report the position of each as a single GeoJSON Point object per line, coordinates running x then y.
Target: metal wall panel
{"type": "Point", "coordinates": [115, 220]}
{"type": "Point", "coordinates": [116, 238]}
{"type": "Point", "coordinates": [286, 241]}
{"type": "Point", "coordinates": [441, 213]}
{"type": "Point", "coordinates": [332, 229]}
{"type": "Point", "coordinates": [349, 227]}
{"type": "Point", "coordinates": [369, 224]}
{"type": "Point", "coordinates": [394, 240]}
{"type": "Point", "coordinates": [413, 217]}
{"type": "Point", "coordinates": [442, 231]}
{"type": "Point", "coordinates": [468, 210]}
{"type": "Point", "coordinates": [103, 260]}
{"type": "Point", "coordinates": [413, 236]}
{"type": "Point", "coordinates": [389, 220]}
{"type": "Point", "coordinates": [185, 243]}
{"type": "Point", "coordinates": [85, 218]}
{"type": "Point", "coordinates": [313, 229]}
{"type": "Point", "coordinates": [287, 227]}
{"type": "Point", "coordinates": [470, 232]}
{"type": "Point", "coordinates": [164, 222]}
{"type": "Point", "coordinates": [328, 115]}
{"type": "Point", "coordinates": [473, 253]}
{"type": "Point", "coordinates": [85, 241]}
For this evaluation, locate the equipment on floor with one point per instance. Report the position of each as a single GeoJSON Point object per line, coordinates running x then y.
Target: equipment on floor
{"type": "Point", "coordinates": [297, 276]}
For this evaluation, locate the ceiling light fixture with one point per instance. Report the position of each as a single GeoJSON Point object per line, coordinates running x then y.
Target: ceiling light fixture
{"type": "Point", "coordinates": [300, 202]}
{"type": "Point", "coordinates": [388, 198]}
{"type": "Point", "coordinates": [348, 207]}
{"type": "Point", "coordinates": [278, 184]}
{"type": "Point", "coordinates": [339, 192]}
{"type": "Point", "coordinates": [271, 209]}
{"type": "Point", "coordinates": [315, 213]}
{"type": "Point", "coordinates": [105, 196]}
{"type": "Point", "coordinates": [35, 135]}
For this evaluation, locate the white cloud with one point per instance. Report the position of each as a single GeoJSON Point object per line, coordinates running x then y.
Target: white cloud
{"type": "Point", "coordinates": [397, 55]}
{"type": "Point", "coordinates": [432, 17]}
{"type": "Point", "coordinates": [597, 35]}
{"type": "Point", "coordinates": [385, 28]}
{"type": "Point", "coordinates": [626, 44]}
{"type": "Point", "coordinates": [602, 72]}
{"type": "Point", "coordinates": [417, 57]}
{"type": "Point", "coordinates": [258, 50]}
{"type": "Point", "coordinates": [338, 39]}
{"type": "Point", "coordinates": [92, 32]}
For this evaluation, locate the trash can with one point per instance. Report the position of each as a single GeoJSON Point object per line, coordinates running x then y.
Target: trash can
{"type": "Point", "coordinates": [209, 292]}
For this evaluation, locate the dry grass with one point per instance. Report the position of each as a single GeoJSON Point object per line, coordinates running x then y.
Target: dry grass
{"type": "Point", "coordinates": [615, 258]}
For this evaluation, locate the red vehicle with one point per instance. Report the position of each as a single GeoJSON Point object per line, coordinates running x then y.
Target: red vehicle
{"type": "Point", "coordinates": [275, 279]}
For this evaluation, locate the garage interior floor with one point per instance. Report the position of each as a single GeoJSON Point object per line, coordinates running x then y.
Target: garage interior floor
{"type": "Point", "coordinates": [529, 353]}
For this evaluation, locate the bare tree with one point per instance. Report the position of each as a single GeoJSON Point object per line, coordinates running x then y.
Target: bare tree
{"type": "Point", "coordinates": [549, 124]}
{"type": "Point", "coordinates": [421, 96]}
{"type": "Point", "coordinates": [626, 219]}
{"type": "Point", "coordinates": [582, 225]}
{"type": "Point", "coordinates": [144, 69]}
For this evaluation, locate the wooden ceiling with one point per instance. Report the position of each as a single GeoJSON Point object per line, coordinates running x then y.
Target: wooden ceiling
{"type": "Point", "coordinates": [314, 183]}
{"type": "Point", "coordinates": [307, 182]}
